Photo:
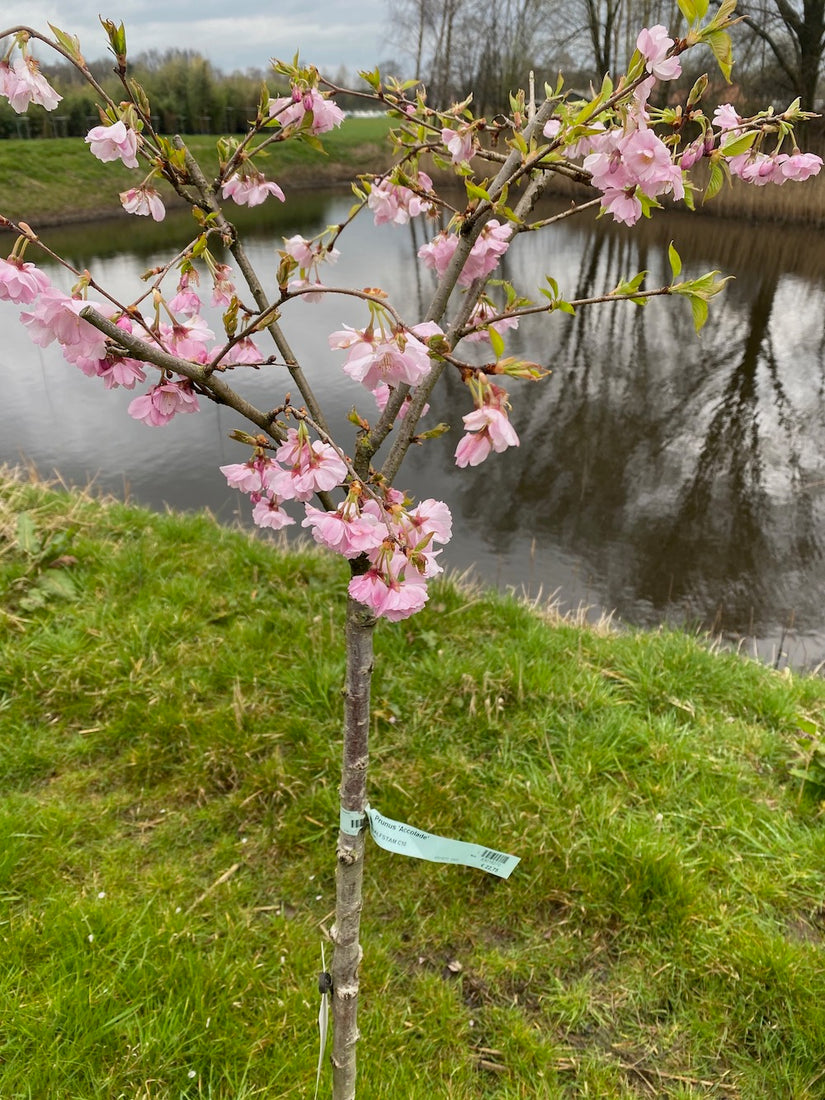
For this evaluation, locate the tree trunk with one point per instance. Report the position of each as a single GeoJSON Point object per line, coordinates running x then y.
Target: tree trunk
{"type": "Point", "coordinates": [350, 868]}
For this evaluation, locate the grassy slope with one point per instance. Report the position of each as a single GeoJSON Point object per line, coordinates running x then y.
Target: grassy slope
{"type": "Point", "coordinates": [178, 719]}
{"type": "Point", "coordinates": [58, 179]}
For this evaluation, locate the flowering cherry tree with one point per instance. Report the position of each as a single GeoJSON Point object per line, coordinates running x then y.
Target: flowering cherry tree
{"type": "Point", "coordinates": [631, 155]}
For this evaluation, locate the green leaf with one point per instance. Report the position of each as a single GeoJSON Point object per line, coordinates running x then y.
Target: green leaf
{"type": "Point", "coordinates": [27, 539]}
{"type": "Point", "coordinates": [565, 307]}
{"type": "Point", "coordinates": [689, 10]}
{"type": "Point", "coordinates": [496, 341]}
{"type": "Point", "coordinates": [630, 286]}
{"type": "Point", "coordinates": [699, 308]}
{"type": "Point", "coordinates": [69, 42]}
{"type": "Point", "coordinates": [715, 181]}
{"type": "Point", "coordinates": [735, 146]}
{"type": "Point", "coordinates": [675, 260]}
{"type": "Point", "coordinates": [474, 191]}
{"type": "Point", "coordinates": [719, 42]}
{"type": "Point", "coordinates": [701, 9]}
{"type": "Point", "coordinates": [57, 583]}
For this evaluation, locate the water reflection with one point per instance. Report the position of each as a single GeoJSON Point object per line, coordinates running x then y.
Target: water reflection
{"type": "Point", "coordinates": [660, 475]}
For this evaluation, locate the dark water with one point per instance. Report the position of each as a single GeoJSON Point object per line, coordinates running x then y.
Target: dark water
{"type": "Point", "coordinates": [661, 476]}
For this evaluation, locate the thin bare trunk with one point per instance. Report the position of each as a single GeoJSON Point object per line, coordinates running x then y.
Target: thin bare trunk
{"type": "Point", "coordinates": [350, 869]}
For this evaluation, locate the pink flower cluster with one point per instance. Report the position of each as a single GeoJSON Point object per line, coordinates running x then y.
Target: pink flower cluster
{"type": "Point", "coordinates": [22, 83]}
{"type": "Point", "coordinates": [396, 538]}
{"type": "Point", "coordinates": [395, 585]}
{"type": "Point", "coordinates": [250, 188]}
{"type": "Point", "coordinates": [292, 110]}
{"type": "Point", "coordinates": [761, 168]}
{"type": "Point", "coordinates": [391, 202]}
{"type": "Point", "coordinates": [624, 160]}
{"type": "Point", "coordinates": [56, 317]}
{"type": "Point", "coordinates": [488, 428]}
{"type": "Point", "coordinates": [299, 469]}
{"type": "Point", "coordinates": [490, 246]}
{"type": "Point", "coordinates": [374, 358]}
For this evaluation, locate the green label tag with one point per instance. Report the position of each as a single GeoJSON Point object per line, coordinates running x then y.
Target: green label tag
{"type": "Point", "coordinates": [396, 836]}
{"type": "Point", "coordinates": [352, 822]}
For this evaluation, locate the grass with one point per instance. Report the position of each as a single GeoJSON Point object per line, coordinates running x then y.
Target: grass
{"type": "Point", "coordinates": [58, 180]}
{"type": "Point", "coordinates": [169, 741]}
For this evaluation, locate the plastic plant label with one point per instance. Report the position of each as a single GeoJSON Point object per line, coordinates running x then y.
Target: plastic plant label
{"type": "Point", "coordinates": [352, 822]}
{"type": "Point", "coordinates": [397, 836]}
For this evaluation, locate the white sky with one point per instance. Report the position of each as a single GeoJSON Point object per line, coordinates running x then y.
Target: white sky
{"type": "Point", "coordinates": [239, 35]}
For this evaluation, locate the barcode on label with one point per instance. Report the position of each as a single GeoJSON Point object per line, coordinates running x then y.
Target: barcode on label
{"type": "Point", "coordinates": [494, 857]}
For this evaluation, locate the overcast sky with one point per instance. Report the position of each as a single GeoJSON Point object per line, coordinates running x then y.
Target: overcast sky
{"type": "Point", "coordinates": [234, 35]}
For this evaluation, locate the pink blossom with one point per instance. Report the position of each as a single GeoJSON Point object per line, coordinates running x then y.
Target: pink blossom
{"type": "Point", "coordinates": [345, 531]}
{"type": "Point", "coordinates": [291, 110]}
{"type": "Point", "coordinates": [799, 166]}
{"type": "Point", "coordinates": [482, 312]}
{"type": "Point", "coordinates": [382, 392]}
{"type": "Point", "coordinates": [143, 201]}
{"type": "Point", "coordinates": [250, 189]}
{"type": "Point", "coordinates": [394, 592]}
{"type": "Point", "coordinates": [223, 289]}
{"type": "Point", "coordinates": [22, 83]}
{"type": "Point", "coordinates": [725, 118]}
{"type": "Point", "coordinates": [56, 316]}
{"type": "Point", "coordinates": [438, 253]}
{"type": "Point", "coordinates": [114, 142]}
{"type": "Point", "coordinates": [491, 244]}
{"type": "Point", "coordinates": [430, 519]}
{"type": "Point", "coordinates": [396, 360]}
{"type": "Point", "coordinates": [245, 476]}
{"type": "Point", "coordinates": [647, 161]}
{"type": "Point", "coordinates": [188, 338]}
{"type": "Point", "coordinates": [21, 282]}
{"type": "Point", "coordinates": [623, 205]}
{"type": "Point", "coordinates": [300, 250]}
{"type": "Point", "coordinates": [313, 467]}
{"type": "Point", "coordinates": [552, 128]}
{"type": "Point", "coordinates": [755, 168]}
{"type": "Point", "coordinates": [653, 44]}
{"type": "Point", "coordinates": [186, 302]}
{"type": "Point", "coordinates": [391, 202]}
{"type": "Point", "coordinates": [119, 371]}
{"type": "Point", "coordinates": [459, 143]}
{"type": "Point", "coordinates": [163, 402]}
{"type": "Point", "coordinates": [245, 351]}
{"type": "Point", "coordinates": [488, 430]}
{"type": "Point", "coordinates": [267, 513]}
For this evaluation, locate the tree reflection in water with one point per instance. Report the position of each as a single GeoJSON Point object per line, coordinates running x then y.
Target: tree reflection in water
{"type": "Point", "coordinates": [686, 475]}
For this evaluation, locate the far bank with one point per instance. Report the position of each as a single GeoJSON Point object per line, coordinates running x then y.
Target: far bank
{"type": "Point", "coordinates": [56, 181]}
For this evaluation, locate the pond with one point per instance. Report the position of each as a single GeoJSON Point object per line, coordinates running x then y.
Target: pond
{"type": "Point", "coordinates": [661, 476]}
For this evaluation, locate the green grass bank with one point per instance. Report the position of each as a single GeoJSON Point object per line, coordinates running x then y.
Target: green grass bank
{"type": "Point", "coordinates": [169, 743]}
{"type": "Point", "coordinates": [57, 180]}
